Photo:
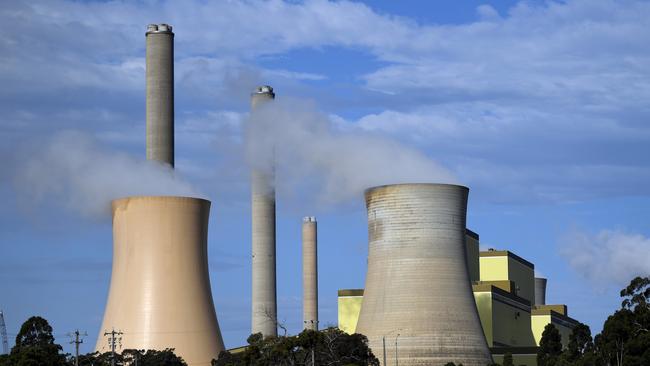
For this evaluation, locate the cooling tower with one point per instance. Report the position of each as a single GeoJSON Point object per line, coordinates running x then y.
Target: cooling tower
{"type": "Point", "coordinates": [418, 295]}
{"type": "Point", "coordinates": [540, 291]}
{"type": "Point", "coordinates": [160, 93]}
{"type": "Point", "coordinates": [264, 305]}
{"type": "Point", "coordinates": [310, 273]}
{"type": "Point", "coordinates": [160, 294]}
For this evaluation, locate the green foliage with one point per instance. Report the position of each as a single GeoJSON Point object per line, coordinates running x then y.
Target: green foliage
{"type": "Point", "coordinates": [624, 340]}
{"type": "Point", "coordinates": [550, 347]}
{"type": "Point", "coordinates": [580, 343]}
{"type": "Point", "coordinates": [35, 345]}
{"type": "Point", "coordinates": [330, 347]}
{"type": "Point", "coordinates": [4, 360]}
{"type": "Point", "coordinates": [637, 293]}
{"type": "Point", "coordinates": [166, 357]}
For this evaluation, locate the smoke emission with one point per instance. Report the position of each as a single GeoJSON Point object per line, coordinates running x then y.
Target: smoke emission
{"type": "Point", "coordinates": [316, 159]}
{"type": "Point", "coordinates": [74, 170]}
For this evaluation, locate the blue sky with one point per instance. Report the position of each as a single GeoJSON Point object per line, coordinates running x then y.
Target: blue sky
{"type": "Point", "coordinates": [541, 108]}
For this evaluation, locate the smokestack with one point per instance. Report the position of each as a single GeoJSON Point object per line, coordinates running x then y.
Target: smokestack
{"type": "Point", "coordinates": [160, 295]}
{"type": "Point", "coordinates": [540, 291]}
{"type": "Point", "coordinates": [310, 273]}
{"type": "Point", "coordinates": [160, 93]}
{"type": "Point", "coordinates": [418, 297]}
{"type": "Point", "coordinates": [264, 302]}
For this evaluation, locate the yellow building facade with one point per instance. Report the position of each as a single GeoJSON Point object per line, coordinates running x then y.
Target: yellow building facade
{"type": "Point", "coordinates": [349, 304]}
{"type": "Point", "coordinates": [504, 290]}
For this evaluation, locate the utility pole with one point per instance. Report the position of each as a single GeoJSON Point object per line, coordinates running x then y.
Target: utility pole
{"type": "Point", "coordinates": [383, 340]}
{"type": "Point", "coordinates": [3, 334]}
{"type": "Point", "coordinates": [76, 341]}
{"type": "Point", "coordinates": [396, 360]}
{"type": "Point", "coordinates": [113, 340]}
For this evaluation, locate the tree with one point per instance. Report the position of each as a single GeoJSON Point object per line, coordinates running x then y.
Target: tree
{"type": "Point", "coordinates": [580, 343]}
{"type": "Point", "coordinates": [550, 347]}
{"type": "Point", "coordinates": [165, 357]}
{"type": "Point", "coordinates": [637, 293]}
{"type": "Point", "coordinates": [35, 345]}
{"type": "Point", "coordinates": [329, 347]}
{"type": "Point", "coordinates": [625, 339]}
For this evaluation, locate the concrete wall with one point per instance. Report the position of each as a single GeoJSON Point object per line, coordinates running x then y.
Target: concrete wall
{"type": "Point", "coordinates": [540, 291]}
{"type": "Point", "coordinates": [518, 360]}
{"type": "Point", "coordinates": [418, 291]}
{"type": "Point", "coordinates": [506, 266]}
{"type": "Point", "coordinates": [160, 295]}
{"type": "Point", "coordinates": [564, 324]}
{"type": "Point", "coordinates": [505, 317]}
{"type": "Point", "coordinates": [349, 306]}
{"type": "Point", "coordinates": [160, 93]}
{"type": "Point", "coordinates": [472, 253]}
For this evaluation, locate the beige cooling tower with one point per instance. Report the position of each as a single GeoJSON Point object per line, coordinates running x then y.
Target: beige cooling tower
{"type": "Point", "coordinates": [418, 299]}
{"type": "Point", "coordinates": [160, 294]}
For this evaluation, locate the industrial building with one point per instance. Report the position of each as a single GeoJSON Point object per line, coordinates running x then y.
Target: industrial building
{"type": "Point", "coordinates": [509, 299]}
{"type": "Point", "coordinates": [429, 290]}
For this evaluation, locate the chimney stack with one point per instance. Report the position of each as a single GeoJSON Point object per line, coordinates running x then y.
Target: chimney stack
{"type": "Point", "coordinates": [264, 299]}
{"type": "Point", "coordinates": [160, 93]}
{"type": "Point", "coordinates": [310, 273]}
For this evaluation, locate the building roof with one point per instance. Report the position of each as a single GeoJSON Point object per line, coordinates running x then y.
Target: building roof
{"type": "Point", "coordinates": [486, 286]}
{"type": "Point", "coordinates": [506, 253]}
{"type": "Point", "coordinates": [351, 292]}
{"type": "Point", "coordinates": [471, 233]}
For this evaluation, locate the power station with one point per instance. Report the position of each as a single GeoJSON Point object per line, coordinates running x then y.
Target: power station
{"type": "Point", "coordinates": [430, 293]}
{"type": "Point", "coordinates": [417, 285]}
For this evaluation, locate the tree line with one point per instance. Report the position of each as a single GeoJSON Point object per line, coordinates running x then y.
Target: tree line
{"type": "Point", "coordinates": [624, 341]}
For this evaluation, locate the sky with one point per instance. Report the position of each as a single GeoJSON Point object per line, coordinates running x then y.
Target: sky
{"type": "Point", "coordinates": [541, 108]}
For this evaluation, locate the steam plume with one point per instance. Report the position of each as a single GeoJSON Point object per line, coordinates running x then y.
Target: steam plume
{"type": "Point", "coordinates": [333, 164]}
{"type": "Point", "coordinates": [73, 170]}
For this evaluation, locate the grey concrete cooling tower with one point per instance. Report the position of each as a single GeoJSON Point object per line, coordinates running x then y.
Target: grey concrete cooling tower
{"type": "Point", "coordinates": [160, 93]}
{"type": "Point", "coordinates": [310, 273]}
{"type": "Point", "coordinates": [160, 295]}
{"type": "Point", "coordinates": [540, 291]}
{"type": "Point", "coordinates": [418, 296]}
{"type": "Point", "coordinates": [264, 301]}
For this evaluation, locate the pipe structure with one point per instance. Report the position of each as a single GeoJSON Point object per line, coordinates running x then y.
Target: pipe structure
{"type": "Point", "coordinates": [540, 291]}
{"type": "Point", "coordinates": [160, 295]}
{"type": "Point", "coordinates": [160, 93]}
{"type": "Point", "coordinates": [310, 272]}
{"type": "Point", "coordinates": [417, 284]}
{"type": "Point", "coordinates": [264, 298]}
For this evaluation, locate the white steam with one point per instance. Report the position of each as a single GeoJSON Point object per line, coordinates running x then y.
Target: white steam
{"type": "Point", "coordinates": [73, 170]}
{"type": "Point", "coordinates": [330, 164]}
{"type": "Point", "coordinates": [609, 257]}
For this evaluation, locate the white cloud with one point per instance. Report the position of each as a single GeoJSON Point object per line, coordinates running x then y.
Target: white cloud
{"type": "Point", "coordinates": [535, 93]}
{"type": "Point", "coordinates": [608, 257]}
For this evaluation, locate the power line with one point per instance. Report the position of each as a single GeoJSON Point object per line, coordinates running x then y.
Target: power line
{"type": "Point", "coordinates": [76, 341]}
{"type": "Point", "coordinates": [114, 338]}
